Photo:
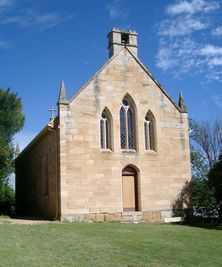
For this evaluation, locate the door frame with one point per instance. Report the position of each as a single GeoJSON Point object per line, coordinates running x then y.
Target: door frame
{"type": "Point", "coordinates": [131, 171]}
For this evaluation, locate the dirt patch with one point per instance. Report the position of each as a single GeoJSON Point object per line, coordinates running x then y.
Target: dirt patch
{"type": "Point", "coordinates": [26, 221]}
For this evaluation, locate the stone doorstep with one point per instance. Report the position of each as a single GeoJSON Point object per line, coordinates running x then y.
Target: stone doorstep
{"type": "Point", "coordinates": [173, 219]}
{"type": "Point", "coordinates": [132, 216]}
{"type": "Point", "coordinates": [132, 213]}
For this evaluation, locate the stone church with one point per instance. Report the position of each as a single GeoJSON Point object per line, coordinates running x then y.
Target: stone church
{"type": "Point", "coordinates": [117, 151]}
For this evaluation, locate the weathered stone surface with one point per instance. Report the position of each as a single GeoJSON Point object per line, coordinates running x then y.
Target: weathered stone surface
{"type": "Point", "coordinates": [147, 216]}
{"type": "Point", "coordinates": [156, 215]}
{"type": "Point", "coordinates": [127, 218]}
{"type": "Point", "coordinates": [113, 217]}
{"type": "Point", "coordinates": [138, 218]}
{"type": "Point", "coordinates": [99, 217]}
{"type": "Point", "coordinates": [166, 214]}
{"type": "Point", "coordinates": [90, 217]}
{"type": "Point", "coordinates": [173, 219]}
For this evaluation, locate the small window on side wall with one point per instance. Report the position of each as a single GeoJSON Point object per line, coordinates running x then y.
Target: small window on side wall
{"type": "Point", "coordinates": [105, 130]}
{"type": "Point", "coordinates": [150, 132]}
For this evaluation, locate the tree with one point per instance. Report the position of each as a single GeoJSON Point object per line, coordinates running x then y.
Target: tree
{"type": "Point", "coordinates": [215, 182]}
{"type": "Point", "coordinates": [204, 201]}
{"type": "Point", "coordinates": [200, 167]}
{"type": "Point", "coordinates": [206, 146]}
{"type": "Point", "coordinates": [11, 121]}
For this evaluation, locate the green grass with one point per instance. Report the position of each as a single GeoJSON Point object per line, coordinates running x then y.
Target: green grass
{"type": "Point", "coordinates": [109, 244]}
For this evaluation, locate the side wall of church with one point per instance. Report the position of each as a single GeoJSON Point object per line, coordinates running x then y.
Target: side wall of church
{"type": "Point", "coordinates": [36, 177]}
{"type": "Point", "coordinates": [91, 177]}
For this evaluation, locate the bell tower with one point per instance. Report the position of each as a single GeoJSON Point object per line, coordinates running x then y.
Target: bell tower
{"type": "Point", "coordinates": [118, 38]}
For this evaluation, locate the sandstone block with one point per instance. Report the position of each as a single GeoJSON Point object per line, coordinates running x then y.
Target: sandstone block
{"type": "Point", "coordinates": [156, 215]}
{"type": "Point", "coordinates": [90, 217]}
{"type": "Point", "coordinates": [127, 218]}
{"type": "Point", "coordinates": [99, 217]}
{"type": "Point", "coordinates": [147, 216]}
{"type": "Point", "coordinates": [139, 218]}
{"type": "Point", "coordinates": [113, 217]}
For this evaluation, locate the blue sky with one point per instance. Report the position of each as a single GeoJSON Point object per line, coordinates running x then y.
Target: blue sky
{"type": "Point", "coordinates": [44, 42]}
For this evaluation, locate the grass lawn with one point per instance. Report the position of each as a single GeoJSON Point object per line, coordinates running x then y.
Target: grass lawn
{"type": "Point", "coordinates": [109, 244]}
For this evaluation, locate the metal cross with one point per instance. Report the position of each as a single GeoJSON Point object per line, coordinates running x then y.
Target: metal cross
{"type": "Point", "coordinates": [52, 110]}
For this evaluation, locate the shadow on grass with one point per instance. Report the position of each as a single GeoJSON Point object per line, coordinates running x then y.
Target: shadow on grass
{"type": "Point", "coordinates": [209, 226]}
{"type": "Point", "coordinates": [182, 207]}
{"type": "Point", "coordinates": [31, 218]}
{"type": "Point", "coordinates": [12, 215]}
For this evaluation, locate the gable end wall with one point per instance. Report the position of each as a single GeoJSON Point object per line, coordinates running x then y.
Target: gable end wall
{"type": "Point", "coordinates": [91, 178]}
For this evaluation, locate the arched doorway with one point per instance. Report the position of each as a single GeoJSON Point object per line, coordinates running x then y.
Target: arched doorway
{"type": "Point", "coordinates": [130, 189]}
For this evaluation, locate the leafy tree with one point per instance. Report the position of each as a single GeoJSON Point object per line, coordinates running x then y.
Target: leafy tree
{"type": "Point", "coordinates": [204, 201]}
{"type": "Point", "coordinates": [11, 121]}
{"type": "Point", "coordinates": [215, 183]}
{"type": "Point", "coordinates": [7, 199]}
{"type": "Point", "coordinates": [206, 146]}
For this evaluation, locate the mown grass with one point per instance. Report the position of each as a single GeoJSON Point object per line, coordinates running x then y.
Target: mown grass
{"type": "Point", "coordinates": [109, 244]}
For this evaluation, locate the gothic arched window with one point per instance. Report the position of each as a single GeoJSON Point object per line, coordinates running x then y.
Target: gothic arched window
{"type": "Point", "coordinates": [149, 131]}
{"type": "Point", "coordinates": [127, 125]}
{"type": "Point", "coordinates": [105, 130]}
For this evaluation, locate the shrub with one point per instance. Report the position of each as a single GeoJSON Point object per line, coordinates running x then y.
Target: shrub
{"type": "Point", "coordinates": [7, 200]}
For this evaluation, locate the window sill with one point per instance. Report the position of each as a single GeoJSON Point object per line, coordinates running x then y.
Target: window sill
{"type": "Point", "coordinates": [105, 150]}
{"type": "Point", "coordinates": [130, 151]}
{"type": "Point", "coordinates": [150, 152]}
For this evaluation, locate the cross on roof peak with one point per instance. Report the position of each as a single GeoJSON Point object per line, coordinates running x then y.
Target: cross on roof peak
{"type": "Point", "coordinates": [52, 111]}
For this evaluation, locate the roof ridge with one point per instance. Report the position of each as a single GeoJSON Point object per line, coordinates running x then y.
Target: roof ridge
{"type": "Point", "coordinates": [141, 64]}
{"type": "Point", "coordinates": [155, 80]}
{"type": "Point", "coordinates": [100, 70]}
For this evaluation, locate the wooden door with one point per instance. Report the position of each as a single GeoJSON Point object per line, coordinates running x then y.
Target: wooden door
{"type": "Point", "coordinates": [129, 196]}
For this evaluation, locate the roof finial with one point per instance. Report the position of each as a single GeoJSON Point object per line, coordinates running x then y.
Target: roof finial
{"type": "Point", "coordinates": [52, 110]}
{"type": "Point", "coordinates": [182, 104]}
{"type": "Point", "coordinates": [17, 150]}
{"type": "Point", "coordinates": [62, 94]}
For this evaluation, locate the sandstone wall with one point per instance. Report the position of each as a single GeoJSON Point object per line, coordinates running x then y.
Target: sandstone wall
{"type": "Point", "coordinates": [36, 177]}
{"type": "Point", "coordinates": [91, 178]}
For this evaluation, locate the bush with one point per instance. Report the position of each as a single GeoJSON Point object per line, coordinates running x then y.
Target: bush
{"type": "Point", "coordinates": [204, 201]}
{"type": "Point", "coordinates": [7, 200]}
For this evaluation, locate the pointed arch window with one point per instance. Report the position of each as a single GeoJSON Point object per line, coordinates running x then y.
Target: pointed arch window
{"type": "Point", "coordinates": [105, 130]}
{"type": "Point", "coordinates": [127, 125]}
{"type": "Point", "coordinates": [149, 131]}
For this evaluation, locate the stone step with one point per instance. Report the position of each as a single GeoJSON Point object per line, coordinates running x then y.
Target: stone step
{"type": "Point", "coordinates": [133, 216]}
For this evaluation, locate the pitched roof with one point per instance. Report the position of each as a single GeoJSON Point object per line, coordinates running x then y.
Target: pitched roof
{"type": "Point", "coordinates": [49, 128]}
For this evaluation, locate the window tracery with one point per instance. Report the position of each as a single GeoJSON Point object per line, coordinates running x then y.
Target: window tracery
{"type": "Point", "coordinates": [149, 132]}
{"type": "Point", "coordinates": [127, 128]}
{"type": "Point", "coordinates": [105, 131]}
